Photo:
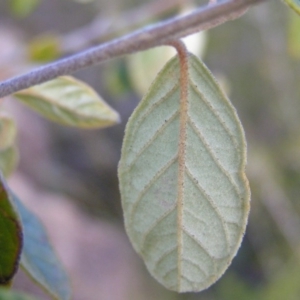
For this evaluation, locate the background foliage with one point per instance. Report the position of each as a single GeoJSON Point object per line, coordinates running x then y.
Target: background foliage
{"type": "Point", "coordinates": [257, 60]}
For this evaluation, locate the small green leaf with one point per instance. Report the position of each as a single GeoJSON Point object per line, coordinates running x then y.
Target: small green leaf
{"type": "Point", "coordinates": [44, 48]}
{"type": "Point", "coordinates": [9, 159]}
{"type": "Point", "coordinates": [182, 177]}
{"type": "Point", "coordinates": [8, 131]}
{"type": "Point", "coordinates": [69, 101]}
{"type": "Point", "coordinates": [38, 258]}
{"type": "Point", "coordinates": [6, 294]}
{"type": "Point", "coordinates": [294, 4]}
{"type": "Point", "coordinates": [22, 8]}
{"type": "Point", "coordinates": [10, 235]}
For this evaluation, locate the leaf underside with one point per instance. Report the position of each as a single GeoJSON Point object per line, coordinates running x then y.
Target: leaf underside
{"type": "Point", "coordinates": [38, 258]}
{"type": "Point", "coordinates": [70, 102]}
{"type": "Point", "coordinates": [186, 247]}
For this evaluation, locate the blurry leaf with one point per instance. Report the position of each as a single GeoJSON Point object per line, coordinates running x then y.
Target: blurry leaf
{"type": "Point", "coordinates": [9, 159]}
{"type": "Point", "coordinates": [69, 101]}
{"type": "Point", "coordinates": [8, 131]}
{"type": "Point", "coordinates": [10, 235]}
{"type": "Point", "coordinates": [116, 78]}
{"type": "Point", "coordinates": [184, 191]}
{"type": "Point", "coordinates": [196, 43]}
{"type": "Point", "coordinates": [6, 294]}
{"type": "Point", "coordinates": [294, 4]}
{"type": "Point", "coordinates": [38, 258]}
{"type": "Point", "coordinates": [44, 48]}
{"type": "Point", "coordinates": [232, 287]}
{"type": "Point", "coordinates": [23, 8]}
{"type": "Point", "coordinates": [144, 66]}
{"type": "Point", "coordinates": [294, 35]}
{"type": "Point", "coordinates": [284, 284]}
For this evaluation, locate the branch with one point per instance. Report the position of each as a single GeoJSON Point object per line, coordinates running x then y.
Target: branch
{"type": "Point", "coordinates": [143, 39]}
{"type": "Point", "coordinates": [107, 27]}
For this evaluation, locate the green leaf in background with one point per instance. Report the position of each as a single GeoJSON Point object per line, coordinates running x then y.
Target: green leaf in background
{"type": "Point", "coordinates": [8, 131]}
{"type": "Point", "coordinates": [9, 159]}
{"type": "Point", "coordinates": [23, 8]}
{"type": "Point", "coordinates": [9, 156]}
{"type": "Point", "coordinates": [10, 235]}
{"type": "Point", "coordinates": [294, 4]}
{"type": "Point", "coordinates": [186, 220]}
{"type": "Point", "coordinates": [144, 66]}
{"type": "Point", "coordinates": [69, 101]}
{"type": "Point", "coordinates": [44, 48]}
{"type": "Point", "coordinates": [38, 258]}
{"type": "Point", "coordinates": [293, 43]}
{"type": "Point", "coordinates": [283, 284]}
{"type": "Point", "coordinates": [6, 294]}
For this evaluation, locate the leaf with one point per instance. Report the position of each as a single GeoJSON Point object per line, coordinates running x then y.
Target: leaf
{"type": "Point", "coordinates": [8, 131]}
{"type": "Point", "coordinates": [10, 236]}
{"type": "Point", "coordinates": [69, 101]}
{"type": "Point", "coordinates": [9, 159]}
{"type": "Point", "coordinates": [186, 220]}
{"type": "Point", "coordinates": [9, 156]}
{"type": "Point", "coordinates": [293, 4]}
{"type": "Point", "coordinates": [6, 294]}
{"type": "Point", "coordinates": [293, 42]}
{"type": "Point", "coordinates": [38, 258]}
{"type": "Point", "coordinates": [44, 48]}
{"type": "Point", "coordinates": [23, 8]}
{"type": "Point", "coordinates": [144, 66]}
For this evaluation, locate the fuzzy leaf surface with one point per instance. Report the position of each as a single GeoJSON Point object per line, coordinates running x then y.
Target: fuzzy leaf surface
{"type": "Point", "coordinates": [71, 102]}
{"type": "Point", "coordinates": [38, 258]}
{"type": "Point", "coordinates": [187, 241]}
{"type": "Point", "coordinates": [10, 235]}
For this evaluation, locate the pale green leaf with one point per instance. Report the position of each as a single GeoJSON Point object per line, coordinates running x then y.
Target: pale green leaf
{"type": "Point", "coordinates": [186, 221]}
{"type": "Point", "coordinates": [6, 294]}
{"type": "Point", "coordinates": [144, 66]}
{"type": "Point", "coordinates": [69, 101]}
{"type": "Point", "coordinates": [9, 159]}
{"type": "Point", "coordinates": [294, 4]}
{"type": "Point", "coordinates": [38, 258]}
{"type": "Point", "coordinates": [8, 131]}
{"type": "Point", "coordinates": [23, 8]}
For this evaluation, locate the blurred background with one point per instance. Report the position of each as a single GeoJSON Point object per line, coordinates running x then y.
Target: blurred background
{"type": "Point", "coordinates": [69, 176]}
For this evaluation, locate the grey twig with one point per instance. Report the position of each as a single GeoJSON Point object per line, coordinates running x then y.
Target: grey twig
{"type": "Point", "coordinates": [145, 38]}
{"type": "Point", "coordinates": [107, 27]}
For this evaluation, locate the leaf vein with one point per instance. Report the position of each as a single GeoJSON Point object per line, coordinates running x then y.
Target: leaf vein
{"type": "Point", "coordinates": [196, 266]}
{"type": "Point", "coordinates": [199, 244]}
{"type": "Point", "coordinates": [216, 160]}
{"type": "Point", "coordinates": [154, 105]}
{"type": "Point", "coordinates": [214, 111]}
{"type": "Point", "coordinates": [212, 204]}
{"type": "Point", "coordinates": [163, 256]}
{"type": "Point", "coordinates": [150, 140]}
{"type": "Point", "coordinates": [152, 227]}
{"type": "Point", "coordinates": [159, 173]}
